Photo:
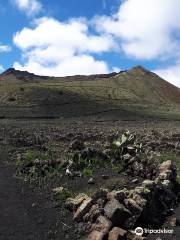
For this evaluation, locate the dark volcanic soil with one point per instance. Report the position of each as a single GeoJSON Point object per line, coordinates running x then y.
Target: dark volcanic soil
{"type": "Point", "coordinates": [166, 225]}
{"type": "Point", "coordinates": [23, 214]}
{"type": "Point", "coordinates": [29, 214]}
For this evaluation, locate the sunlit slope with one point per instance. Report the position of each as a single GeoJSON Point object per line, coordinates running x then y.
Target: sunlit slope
{"type": "Point", "coordinates": [129, 94]}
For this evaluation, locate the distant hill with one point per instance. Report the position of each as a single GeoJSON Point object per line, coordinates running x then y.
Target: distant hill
{"type": "Point", "coordinates": [136, 93]}
{"type": "Point", "coordinates": [16, 76]}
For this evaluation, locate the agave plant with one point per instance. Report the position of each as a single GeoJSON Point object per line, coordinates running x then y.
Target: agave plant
{"type": "Point", "coordinates": [126, 139]}
{"type": "Point", "coordinates": [125, 144]}
{"type": "Point", "coordinates": [139, 148]}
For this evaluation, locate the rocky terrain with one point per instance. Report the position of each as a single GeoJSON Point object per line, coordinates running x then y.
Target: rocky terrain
{"type": "Point", "coordinates": [89, 157]}
{"type": "Point", "coordinates": [111, 180]}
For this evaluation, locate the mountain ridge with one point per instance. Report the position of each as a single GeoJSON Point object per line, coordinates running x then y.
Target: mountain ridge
{"type": "Point", "coordinates": [20, 74]}
{"type": "Point", "coordinates": [26, 74]}
{"type": "Point", "coordinates": [128, 93]}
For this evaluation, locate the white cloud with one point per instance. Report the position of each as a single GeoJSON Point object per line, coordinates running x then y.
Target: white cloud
{"type": "Point", "coordinates": [171, 74]}
{"type": "Point", "coordinates": [116, 69]}
{"type": "Point", "coordinates": [145, 29]}
{"type": "Point", "coordinates": [61, 48]}
{"type": "Point", "coordinates": [30, 7]}
{"type": "Point", "coordinates": [75, 65]}
{"type": "Point", "coordinates": [1, 68]}
{"type": "Point", "coordinates": [5, 48]}
{"type": "Point", "coordinates": [141, 29]}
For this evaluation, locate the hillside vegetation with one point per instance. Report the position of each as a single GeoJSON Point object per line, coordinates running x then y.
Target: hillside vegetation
{"type": "Point", "coordinates": [128, 95]}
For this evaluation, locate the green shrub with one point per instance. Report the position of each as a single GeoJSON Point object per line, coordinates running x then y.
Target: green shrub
{"type": "Point", "coordinates": [33, 154]}
{"type": "Point", "coordinates": [86, 172]}
{"type": "Point", "coordinates": [62, 194]}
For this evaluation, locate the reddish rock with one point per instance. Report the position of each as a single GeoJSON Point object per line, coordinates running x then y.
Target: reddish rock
{"type": "Point", "coordinates": [117, 234]}
{"type": "Point", "coordinates": [103, 224]}
{"type": "Point", "coordinates": [73, 203]}
{"type": "Point", "coordinates": [100, 228]}
{"type": "Point", "coordinates": [96, 235]}
{"type": "Point", "coordinates": [83, 209]}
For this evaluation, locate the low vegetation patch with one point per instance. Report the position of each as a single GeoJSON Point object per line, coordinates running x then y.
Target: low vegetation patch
{"type": "Point", "coordinates": [61, 194]}
{"type": "Point", "coordinates": [34, 165]}
{"type": "Point", "coordinates": [164, 155]}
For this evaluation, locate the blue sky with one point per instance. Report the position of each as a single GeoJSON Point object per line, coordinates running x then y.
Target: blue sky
{"type": "Point", "coordinates": [68, 37]}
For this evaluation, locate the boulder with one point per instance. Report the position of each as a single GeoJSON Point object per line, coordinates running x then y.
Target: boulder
{"type": "Point", "coordinates": [91, 181]}
{"type": "Point", "coordinates": [73, 203]}
{"type": "Point", "coordinates": [166, 184]}
{"type": "Point", "coordinates": [136, 180]}
{"type": "Point", "coordinates": [58, 190]}
{"type": "Point", "coordinates": [112, 195]}
{"type": "Point", "coordinates": [101, 202]}
{"type": "Point", "coordinates": [137, 167]}
{"type": "Point", "coordinates": [96, 235]}
{"type": "Point", "coordinates": [167, 175]}
{"type": "Point", "coordinates": [116, 212]}
{"type": "Point", "coordinates": [133, 206]}
{"type": "Point", "coordinates": [87, 227]}
{"type": "Point", "coordinates": [119, 195]}
{"type": "Point", "coordinates": [103, 224]}
{"type": "Point", "coordinates": [100, 194]}
{"type": "Point", "coordinates": [142, 191]}
{"type": "Point", "coordinates": [173, 221]}
{"type": "Point", "coordinates": [127, 157]}
{"type": "Point", "coordinates": [167, 167]}
{"type": "Point", "coordinates": [83, 209]}
{"type": "Point", "coordinates": [149, 184]}
{"type": "Point", "coordinates": [93, 213]}
{"type": "Point", "coordinates": [117, 234]}
{"type": "Point", "coordinates": [140, 200]}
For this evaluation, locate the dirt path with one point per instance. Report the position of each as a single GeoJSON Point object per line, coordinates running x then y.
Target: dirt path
{"type": "Point", "coordinates": [23, 216]}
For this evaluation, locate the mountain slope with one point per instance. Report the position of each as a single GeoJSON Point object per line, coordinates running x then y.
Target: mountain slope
{"type": "Point", "coordinates": [148, 86]}
{"type": "Point", "coordinates": [128, 94]}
